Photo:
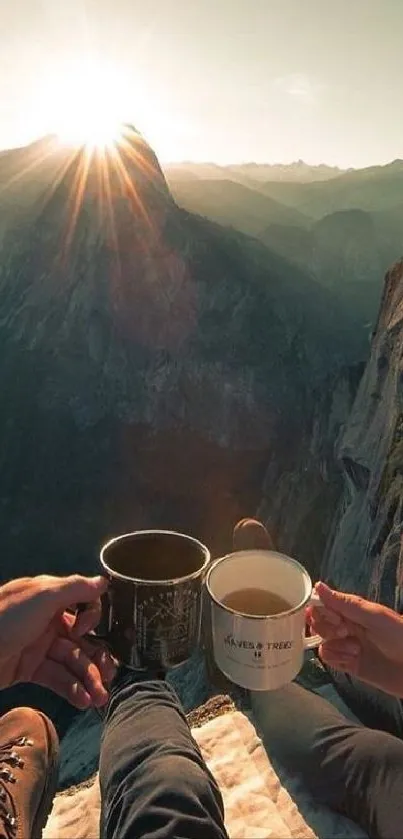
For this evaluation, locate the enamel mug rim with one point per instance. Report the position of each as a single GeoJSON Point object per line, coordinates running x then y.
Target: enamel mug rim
{"type": "Point", "coordinates": [308, 597]}
{"type": "Point", "coordinates": [140, 581]}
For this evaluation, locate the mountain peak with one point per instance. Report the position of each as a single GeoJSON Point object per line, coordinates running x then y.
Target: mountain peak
{"type": "Point", "coordinates": [56, 174]}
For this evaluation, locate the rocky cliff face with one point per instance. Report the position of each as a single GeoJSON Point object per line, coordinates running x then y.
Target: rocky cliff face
{"type": "Point", "coordinates": [151, 363]}
{"type": "Point", "coordinates": [303, 483]}
{"type": "Point", "coordinates": [365, 549]}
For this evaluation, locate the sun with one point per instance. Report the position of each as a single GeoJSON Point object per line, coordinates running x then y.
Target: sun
{"type": "Point", "coordinates": [94, 130]}
{"type": "Point", "coordinates": [89, 101]}
{"type": "Point", "coordinates": [84, 99]}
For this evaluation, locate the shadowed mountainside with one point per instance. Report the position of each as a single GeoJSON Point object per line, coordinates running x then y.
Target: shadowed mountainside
{"type": "Point", "coordinates": [152, 363]}
{"type": "Point", "coordinates": [344, 229]}
{"type": "Point", "coordinates": [229, 203]}
{"type": "Point", "coordinates": [346, 252]}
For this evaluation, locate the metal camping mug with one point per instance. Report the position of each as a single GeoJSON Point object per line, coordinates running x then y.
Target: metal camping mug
{"type": "Point", "coordinates": [265, 651]}
{"type": "Point", "coordinates": [151, 614]}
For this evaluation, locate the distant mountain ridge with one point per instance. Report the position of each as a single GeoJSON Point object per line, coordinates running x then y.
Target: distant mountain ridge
{"type": "Point", "coordinates": [235, 204]}
{"type": "Point", "coordinates": [345, 251]}
{"type": "Point", "coordinates": [299, 171]}
{"type": "Point", "coordinates": [373, 188]}
{"type": "Point", "coordinates": [345, 229]}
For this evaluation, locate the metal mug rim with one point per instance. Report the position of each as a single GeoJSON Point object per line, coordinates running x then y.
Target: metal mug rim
{"type": "Point", "coordinates": [279, 615]}
{"type": "Point", "coordinates": [139, 580]}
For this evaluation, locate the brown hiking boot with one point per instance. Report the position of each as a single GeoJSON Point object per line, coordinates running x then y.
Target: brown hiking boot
{"type": "Point", "coordinates": [29, 750]}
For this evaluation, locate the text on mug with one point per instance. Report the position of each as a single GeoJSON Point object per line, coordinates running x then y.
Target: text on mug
{"type": "Point", "coordinates": [230, 641]}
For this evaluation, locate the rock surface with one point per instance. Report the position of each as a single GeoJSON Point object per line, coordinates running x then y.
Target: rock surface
{"type": "Point", "coordinates": [303, 481]}
{"type": "Point", "coordinates": [365, 548]}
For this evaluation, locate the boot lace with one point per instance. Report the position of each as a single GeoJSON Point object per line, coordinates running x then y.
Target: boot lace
{"type": "Point", "coordinates": [10, 759]}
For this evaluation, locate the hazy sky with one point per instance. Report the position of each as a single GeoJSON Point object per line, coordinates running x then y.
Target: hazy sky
{"type": "Point", "coordinates": [221, 80]}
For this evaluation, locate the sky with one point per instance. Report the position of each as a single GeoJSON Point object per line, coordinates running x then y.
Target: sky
{"type": "Point", "coordinates": [213, 80]}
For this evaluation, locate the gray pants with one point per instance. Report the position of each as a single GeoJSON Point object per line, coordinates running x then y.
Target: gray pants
{"type": "Point", "coordinates": [154, 781]}
{"type": "Point", "coordinates": [356, 768]}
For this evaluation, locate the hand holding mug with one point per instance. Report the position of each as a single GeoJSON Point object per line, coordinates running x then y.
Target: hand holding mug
{"type": "Point", "coordinates": [41, 643]}
{"type": "Point", "coordinates": [361, 638]}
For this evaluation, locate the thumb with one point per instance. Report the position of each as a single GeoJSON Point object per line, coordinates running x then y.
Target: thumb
{"type": "Point", "coordinates": [351, 607]}
{"type": "Point", "coordinates": [77, 589]}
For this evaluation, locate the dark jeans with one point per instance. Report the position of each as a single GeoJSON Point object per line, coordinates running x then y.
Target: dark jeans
{"type": "Point", "coordinates": [154, 781]}
{"type": "Point", "coordinates": [354, 767]}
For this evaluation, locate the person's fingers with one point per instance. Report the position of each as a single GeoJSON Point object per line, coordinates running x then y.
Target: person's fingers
{"type": "Point", "coordinates": [316, 612]}
{"type": "Point", "coordinates": [325, 622]}
{"type": "Point", "coordinates": [345, 665]}
{"type": "Point", "coordinates": [32, 656]}
{"type": "Point", "coordinates": [352, 608]}
{"type": "Point", "coordinates": [321, 625]}
{"type": "Point", "coordinates": [68, 653]}
{"type": "Point", "coordinates": [55, 676]}
{"type": "Point", "coordinates": [68, 620]}
{"type": "Point", "coordinates": [66, 592]}
{"type": "Point", "coordinates": [346, 647]}
{"type": "Point", "coordinates": [88, 619]}
{"type": "Point", "coordinates": [95, 650]}
{"type": "Point", "coordinates": [341, 655]}
{"type": "Point", "coordinates": [107, 666]}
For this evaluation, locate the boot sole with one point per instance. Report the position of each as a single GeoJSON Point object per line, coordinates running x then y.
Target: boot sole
{"type": "Point", "coordinates": [50, 788]}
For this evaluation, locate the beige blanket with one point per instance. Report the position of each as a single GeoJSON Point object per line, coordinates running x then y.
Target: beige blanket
{"type": "Point", "coordinates": [257, 805]}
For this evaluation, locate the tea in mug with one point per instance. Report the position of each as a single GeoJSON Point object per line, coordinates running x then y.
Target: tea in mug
{"type": "Point", "coordinates": [256, 601]}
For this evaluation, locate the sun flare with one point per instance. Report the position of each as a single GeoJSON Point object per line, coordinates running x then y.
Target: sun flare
{"type": "Point", "coordinates": [84, 99]}
{"type": "Point", "coordinates": [89, 101]}
{"type": "Point", "coordinates": [94, 131]}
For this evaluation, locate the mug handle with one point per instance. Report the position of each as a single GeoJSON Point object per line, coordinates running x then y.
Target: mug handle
{"type": "Point", "coordinates": [313, 641]}
{"type": "Point", "coordinates": [95, 635]}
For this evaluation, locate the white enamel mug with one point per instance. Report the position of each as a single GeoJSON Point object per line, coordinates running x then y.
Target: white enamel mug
{"type": "Point", "coordinates": [260, 652]}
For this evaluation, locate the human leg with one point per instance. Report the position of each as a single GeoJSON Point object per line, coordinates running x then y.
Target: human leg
{"type": "Point", "coordinates": [154, 781]}
{"type": "Point", "coordinates": [373, 707]}
{"type": "Point", "coordinates": [354, 770]}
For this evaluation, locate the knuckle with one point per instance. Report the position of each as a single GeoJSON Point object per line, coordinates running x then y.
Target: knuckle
{"type": "Point", "coordinates": [73, 579]}
{"type": "Point", "coordinates": [43, 584]}
{"type": "Point", "coordinates": [358, 600]}
{"type": "Point", "coordinates": [27, 581]}
{"type": "Point", "coordinates": [75, 653]}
